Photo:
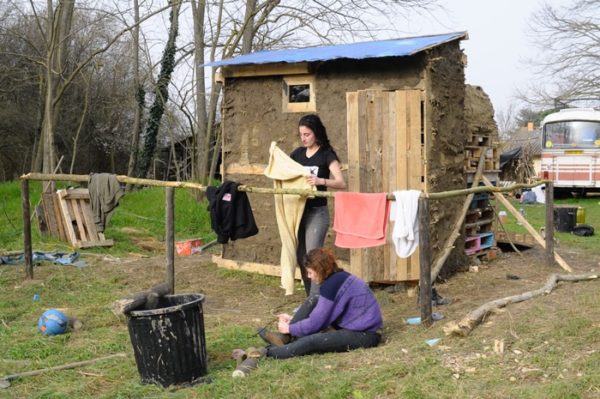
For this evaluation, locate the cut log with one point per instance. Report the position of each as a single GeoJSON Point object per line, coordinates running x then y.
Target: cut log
{"type": "Point", "coordinates": [474, 318]}
{"type": "Point", "coordinates": [140, 299]}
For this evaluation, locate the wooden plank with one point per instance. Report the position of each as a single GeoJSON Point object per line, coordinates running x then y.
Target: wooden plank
{"type": "Point", "coordinates": [252, 267]}
{"type": "Point", "coordinates": [89, 244]}
{"type": "Point", "coordinates": [353, 165]}
{"type": "Point", "coordinates": [526, 224]}
{"type": "Point", "coordinates": [60, 223]}
{"type": "Point", "coordinates": [373, 263]}
{"type": "Point", "coordinates": [75, 206]}
{"type": "Point", "coordinates": [365, 174]}
{"type": "Point", "coordinates": [86, 210]}
{"type": "Point", "coordinates": [41, 219]}
{"type": "Point", "coordinates": [402, 167]}
{"type": "Point", "coordinates": [50, 214]}
{"type": "Point", "coordinates": [77, 193]}
{"type": "Point", "coordinates": [282, 68]}
{"type": "Point", "coordinates": [66, 217]}
{"type": "Point", "coordinates": [389, 146]}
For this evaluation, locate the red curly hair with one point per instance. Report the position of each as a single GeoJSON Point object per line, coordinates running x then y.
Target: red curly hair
{"type": "Point", "coordinates": [322, 262]}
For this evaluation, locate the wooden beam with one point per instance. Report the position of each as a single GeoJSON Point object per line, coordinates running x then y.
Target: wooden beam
{"type": "Point", "coordinates": [282, 68]}
{"type": "Point", "coordinates": [26, 229]}
{"type": "Point", "coordinates": [245, 169]}
{"type": "Point", "coordinates": [170, 236]}
{"type": "Point", "coordinates": [424, 263]}
{"type": "Point", "coordinates": [449, 245]}
{"type": "Point", "coordinates": [549, 227]}
{"type": "Point", "coordinates": [252, 267]}
{"type": "Point", "coordinates": [527, 226]}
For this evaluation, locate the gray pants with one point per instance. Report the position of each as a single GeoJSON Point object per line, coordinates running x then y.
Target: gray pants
{"type": "Point", "coordinates": [331, 341]}
{"type": "Point", "coordinates": [311, 235]}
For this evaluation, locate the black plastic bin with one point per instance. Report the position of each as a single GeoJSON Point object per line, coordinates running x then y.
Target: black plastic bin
{"type": "Point", "coordinates": [565, 218]}
{"type": "Point", "coordinates": [168, 341]}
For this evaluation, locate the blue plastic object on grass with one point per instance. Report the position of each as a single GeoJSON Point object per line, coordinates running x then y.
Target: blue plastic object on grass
{"type": "Point", "coordinates": [415, 321]}
{"type": "Point", "coordinates": [432, 341]}
{"type": "Point", "coordinates": [53, 322]}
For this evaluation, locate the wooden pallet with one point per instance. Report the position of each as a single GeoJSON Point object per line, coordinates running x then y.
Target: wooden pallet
{"type": "Point", "coordinates": [68, 215]}
{"type": "Point", "coordinates": [523, 239]}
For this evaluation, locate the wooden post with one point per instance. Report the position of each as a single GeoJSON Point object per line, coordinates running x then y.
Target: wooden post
{"type": "Point", "coordinates": [26, 229]}
{"type": "Point", "coordinates": [170, 237]}
{"type": "Point", "coordinates": [424, 263]}
{"type": "Point", "coordinates": [549, 228]}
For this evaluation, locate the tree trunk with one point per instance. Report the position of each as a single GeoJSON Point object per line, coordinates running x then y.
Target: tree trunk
{"type": "Point", "coordinates": [58, 28]}
{"type": "Point", "coordinates": [200, 151]}
{"type": "Point", "coordinates": [161, 94]}
{"type": "Point", "coordinates": [139, 95]}
{"type": "Point", "coordinates": [248, 33]}
{"type": "Point", "coordinates": [86, 104]}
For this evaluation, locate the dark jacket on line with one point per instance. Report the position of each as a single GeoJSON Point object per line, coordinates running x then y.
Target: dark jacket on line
{"type": "Point", "coordinates": [230, 212]}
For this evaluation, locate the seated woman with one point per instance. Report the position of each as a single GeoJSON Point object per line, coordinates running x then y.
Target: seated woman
{"type": "Point", "coordinates": [347, 315]}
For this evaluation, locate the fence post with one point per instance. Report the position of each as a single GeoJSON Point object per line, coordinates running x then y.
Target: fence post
{"type": "Point", "coordinates": [26, 229]}
{"type": "Point", "coordinates": [549, 226]}
{"type": "Point", "coordinates": [170, 236]}
{"type": "Point", "coordinates": [424, 263]}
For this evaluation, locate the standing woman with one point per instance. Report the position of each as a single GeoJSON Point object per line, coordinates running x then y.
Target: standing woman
{"type": "Point", "coordinates": [317, 155]}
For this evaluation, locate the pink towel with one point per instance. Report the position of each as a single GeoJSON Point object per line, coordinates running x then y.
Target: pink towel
{"type": "Point", "coordinates": [360, 219]}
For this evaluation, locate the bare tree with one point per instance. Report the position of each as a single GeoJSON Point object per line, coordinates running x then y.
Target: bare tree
{"type": "Point", "coordinates": [236, 27]}
{"type": "Point", "coordinates": [139, 93]}
{"type": "Point", "coordinates": [569, 40]}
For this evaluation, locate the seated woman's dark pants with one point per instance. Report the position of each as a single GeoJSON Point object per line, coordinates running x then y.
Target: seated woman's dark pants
{"type": "Point", "coordinates": [331, 341]}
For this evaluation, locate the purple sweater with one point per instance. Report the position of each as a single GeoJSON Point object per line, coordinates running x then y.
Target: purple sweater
{"type": "Point", "coordinates": [345, 301]}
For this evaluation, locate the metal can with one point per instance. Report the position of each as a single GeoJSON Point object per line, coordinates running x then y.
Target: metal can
{"type": "Point", "coordinates": [580, 215]}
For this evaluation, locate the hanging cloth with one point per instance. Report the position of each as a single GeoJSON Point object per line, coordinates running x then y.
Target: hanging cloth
{"type": "Point", "coordinates": [405, 234]}
{"type": "Point", "coordinates": [360, 219]}
{"type": "Point", "coordinates": [231, 214]}
{"type": "Point", "coordinates": [105, 193]}
{"type": "Point", "coordinates": [287, 173]}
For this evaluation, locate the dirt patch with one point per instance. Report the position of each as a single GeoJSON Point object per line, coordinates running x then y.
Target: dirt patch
{"type": "Point", "coordinates": [254, 300]}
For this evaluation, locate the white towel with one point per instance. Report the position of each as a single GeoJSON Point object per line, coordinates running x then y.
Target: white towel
{"type": "Point", "coordinates": [540, 194]}
{"type": "Point", "coordinates": [403, 213]}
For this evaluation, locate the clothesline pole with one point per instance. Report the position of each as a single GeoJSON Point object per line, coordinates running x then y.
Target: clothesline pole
{"type": "Point", "coordinates": [170, 236]}
{"type": "Point", "coordinates": [549, 227]}
{"type": "Point", "coordinates": [424, 263]}
{"type": "Point", "coordinates": [26, 229]}
{"type": "Point", "coordinates": [264, 190]}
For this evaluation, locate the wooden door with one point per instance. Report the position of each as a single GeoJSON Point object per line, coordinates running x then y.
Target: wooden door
{"type": "Point", "coordinates": [385, 153]}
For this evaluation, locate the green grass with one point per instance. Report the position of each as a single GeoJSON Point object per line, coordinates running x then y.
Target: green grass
{"type": "Point", "coordinates": [536, 216]}
{"type": "Point", "coordinates": [562, 351]}
{"type": "Point", "coordinates": [143, 210]}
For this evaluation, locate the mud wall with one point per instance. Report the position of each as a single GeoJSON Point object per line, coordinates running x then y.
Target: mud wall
{"type": "Point", "coordinates": [479, 113]}
{"type": "Point", "coordinates": [253, 117]}
{"type": "Point", "coordinates": [445, 145]}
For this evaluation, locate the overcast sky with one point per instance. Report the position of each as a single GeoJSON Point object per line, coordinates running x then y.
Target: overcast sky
{"type": "Point", "coordinates": [498, 41]}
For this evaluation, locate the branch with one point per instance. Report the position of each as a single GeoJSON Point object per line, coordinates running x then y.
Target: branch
{"type": "Point", "coordinates": [474, 318]}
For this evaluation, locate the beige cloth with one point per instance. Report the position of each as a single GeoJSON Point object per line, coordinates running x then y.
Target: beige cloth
{"type": "Point", "coordinates": [287, 173]}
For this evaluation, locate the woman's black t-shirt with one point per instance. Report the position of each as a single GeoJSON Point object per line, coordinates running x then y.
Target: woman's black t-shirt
{"type": "Point", "coordinates": [317, 164]}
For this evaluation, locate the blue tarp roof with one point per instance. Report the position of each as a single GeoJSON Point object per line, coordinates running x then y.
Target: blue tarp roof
{"type": "Point", "coordinates": [375, 49]}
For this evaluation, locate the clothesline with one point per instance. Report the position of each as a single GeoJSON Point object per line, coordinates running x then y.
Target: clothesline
{"type": "Point", "coordinates": [265, 190]}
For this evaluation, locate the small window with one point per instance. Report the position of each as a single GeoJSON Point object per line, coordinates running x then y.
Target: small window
{"type": "Point", "coordinates": [299, 94]}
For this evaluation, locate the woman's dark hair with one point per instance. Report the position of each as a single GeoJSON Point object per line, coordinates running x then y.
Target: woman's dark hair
{"type": "Point", "coordinates": [322, 262]}
{"type": "Point", "coordinates": [313, 122]}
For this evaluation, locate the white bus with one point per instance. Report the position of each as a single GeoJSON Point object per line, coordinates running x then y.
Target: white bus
{"type": "Point", "coordinates": [571, 150]}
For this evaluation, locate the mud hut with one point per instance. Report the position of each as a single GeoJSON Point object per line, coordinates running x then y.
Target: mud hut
{"type": "Point", "coordinates": [394, 112]}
